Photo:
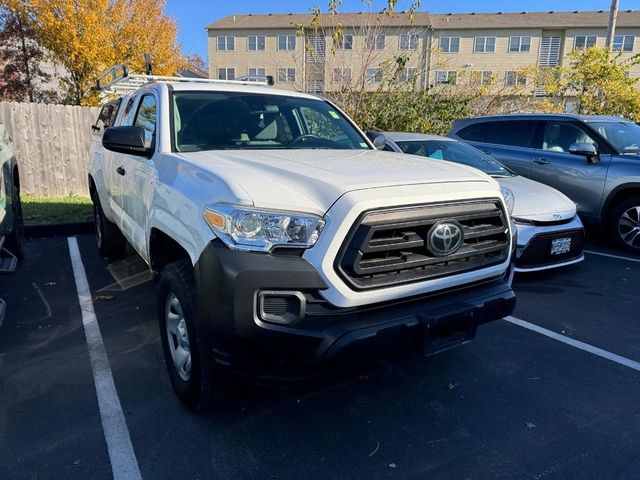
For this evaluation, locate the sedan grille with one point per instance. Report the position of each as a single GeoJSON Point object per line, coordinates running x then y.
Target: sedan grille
{"type": "Point", "coordinates": [390, 247]}
{"type": "Point", "coordinates": [538, 252]}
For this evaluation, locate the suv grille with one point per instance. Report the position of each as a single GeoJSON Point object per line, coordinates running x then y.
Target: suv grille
{"type": "Point", "coordinates": [389, 247]}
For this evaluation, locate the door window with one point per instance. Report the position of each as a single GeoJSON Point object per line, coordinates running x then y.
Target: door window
{"type": "Point", "coordinates": [559, 136]}
{"type": "Point", "coordinates": [515, 133]}
{"type": "Point", "coordinates": [146, 118]}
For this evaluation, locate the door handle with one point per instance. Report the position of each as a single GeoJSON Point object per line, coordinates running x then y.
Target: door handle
{"type": "Point", "coordinates": [121, 170]}
{"type": "Point", "coordinates": [541, 161]}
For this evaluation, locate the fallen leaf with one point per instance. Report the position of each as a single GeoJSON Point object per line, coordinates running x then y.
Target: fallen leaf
{"type": "Point", "coordinates": [452, 385]}
{"type": "Point", "coordinates": [531, 425]}
{"type": "Point", "coordinates": [103, 297]}
{"type": "Point", "coordinates": [392, 465]}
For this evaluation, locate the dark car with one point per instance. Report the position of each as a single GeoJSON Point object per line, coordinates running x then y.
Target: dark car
{"type": "Point", "coordinates": [594, 160]}
{"type": "Point", "coordinates": [11, 227]}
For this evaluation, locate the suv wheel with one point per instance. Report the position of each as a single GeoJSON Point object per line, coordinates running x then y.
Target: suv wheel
{"type": "Point", "coordinates": [625, 225]}
{"type": "Point", "coordinates": [15, 241]}
{"type": "Point", "coordinates": [111, 243]}
{"type": "Point", "coordinates": [194, 377]}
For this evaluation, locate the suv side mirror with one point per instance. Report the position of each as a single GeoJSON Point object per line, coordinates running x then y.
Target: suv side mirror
{"type": "Point", "coordinates": [586, 150]}
{"type": "Point", "coordinates": [378, 139]}
{"type": "Point", "coordinates": [126, 139]}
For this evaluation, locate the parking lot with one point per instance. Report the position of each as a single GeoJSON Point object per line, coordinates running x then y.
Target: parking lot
{"type": "Point", "coordinates": [515, 403]}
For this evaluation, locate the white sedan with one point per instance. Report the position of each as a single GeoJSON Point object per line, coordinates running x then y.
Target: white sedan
{"type": "Point", "coordinates": [550, 233]}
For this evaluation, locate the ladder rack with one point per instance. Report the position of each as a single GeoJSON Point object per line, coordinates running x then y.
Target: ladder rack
{"type": "Point", "coordinates": [118, 80]}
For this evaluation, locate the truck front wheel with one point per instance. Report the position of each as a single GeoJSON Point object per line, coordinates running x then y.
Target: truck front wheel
{"type": "Point", "coordinates": [194, 376]}
{"type": "Point", "coordinates": [111, 243]}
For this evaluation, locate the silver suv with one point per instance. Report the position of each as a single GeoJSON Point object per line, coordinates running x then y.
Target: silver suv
{"type": "Point", "coordinates": [593, 160]}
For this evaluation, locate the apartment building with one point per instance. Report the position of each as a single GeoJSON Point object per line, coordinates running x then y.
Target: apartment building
{"type": "Point", "coordinates": [465, 50]}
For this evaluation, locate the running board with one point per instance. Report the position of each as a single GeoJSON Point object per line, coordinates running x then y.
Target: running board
{"type": "Point", "coordinates": [8, 261]}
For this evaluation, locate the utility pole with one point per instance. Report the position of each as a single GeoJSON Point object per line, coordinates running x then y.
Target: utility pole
{"type": "Point", "coordinates": [613, 16]}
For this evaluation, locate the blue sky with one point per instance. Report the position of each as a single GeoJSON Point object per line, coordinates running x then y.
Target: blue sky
{"type": "Point", "coordinates": [194, 15]}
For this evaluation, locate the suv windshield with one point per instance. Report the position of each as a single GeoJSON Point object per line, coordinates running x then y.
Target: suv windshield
{"type": "Point", "coordinates": [625, 136]}
{"type": "Point", "coordinates": [237, 120]}
{"type": "Point", "coordinates": [455, 151]}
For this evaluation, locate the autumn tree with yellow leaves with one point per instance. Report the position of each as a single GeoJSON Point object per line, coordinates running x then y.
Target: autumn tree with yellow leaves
{"type": "Point", "coordinates": [88, 36]}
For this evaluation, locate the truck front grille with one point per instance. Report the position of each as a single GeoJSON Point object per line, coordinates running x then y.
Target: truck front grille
{"type": "Point", "coordinates": [389, 247]}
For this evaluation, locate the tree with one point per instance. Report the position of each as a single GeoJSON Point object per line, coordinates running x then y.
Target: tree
{"type": "Point", "coordinates": [22, 77]}
{"type": "Point", "coordinates": [88, 36]}
{"type": "Point", "coordinates": [600, 82]}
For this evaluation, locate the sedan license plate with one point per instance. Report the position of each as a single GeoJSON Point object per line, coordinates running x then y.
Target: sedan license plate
{"type": "Point", "coordinates": [560, 246]}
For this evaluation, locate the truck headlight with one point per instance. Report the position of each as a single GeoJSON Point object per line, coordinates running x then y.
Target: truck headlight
{"type": "Point", "coordinates": [248, 228]}
{"type": "Point", "coordinates": [509, 199]}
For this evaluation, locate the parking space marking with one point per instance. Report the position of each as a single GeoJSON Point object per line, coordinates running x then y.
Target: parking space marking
{"type": "Point", "coordinates": [124, 465]}
{"type": "Point", "coordinates": [610, 255]}
{"type": "Point", "coordinates": [576, 343]}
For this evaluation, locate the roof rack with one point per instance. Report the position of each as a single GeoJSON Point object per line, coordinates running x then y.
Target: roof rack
{"type": "Point", "coordinates": [118, 80]}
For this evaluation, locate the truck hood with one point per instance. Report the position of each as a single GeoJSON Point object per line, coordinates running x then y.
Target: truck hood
{"type": "Point", "coordinates": [536, 201]}
{"type": "Point", "coordinates": [312, 180]}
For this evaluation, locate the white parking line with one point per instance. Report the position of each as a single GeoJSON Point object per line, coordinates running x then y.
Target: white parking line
{"type": "Point", "coordinates": [619, 257]}
{"type": "Point", "coordinates": [124, 465]}
{"type": "Point", "coordinates": [576, 343]}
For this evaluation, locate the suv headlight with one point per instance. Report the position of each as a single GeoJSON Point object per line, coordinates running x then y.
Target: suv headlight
{"type": "Point", "coordinates": [247, 228]}
{"type": "Point", "coordinates": [509, 199]}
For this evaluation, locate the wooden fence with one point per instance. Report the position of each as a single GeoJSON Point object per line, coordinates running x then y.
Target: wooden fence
{"type": "Point", "coordinates": [51, 144]}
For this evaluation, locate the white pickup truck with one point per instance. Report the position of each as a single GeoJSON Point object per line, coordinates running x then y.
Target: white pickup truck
{"type": "Point", "coordinates": [282, 239]}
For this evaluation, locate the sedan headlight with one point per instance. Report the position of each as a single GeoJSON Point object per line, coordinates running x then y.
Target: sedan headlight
{"type": "Point", "coordinates": [247, 228]}
{"type": "Point", "coordinates": [509, 199]}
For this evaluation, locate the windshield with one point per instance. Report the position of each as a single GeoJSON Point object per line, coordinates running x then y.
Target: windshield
{"type": "Point", "coordinates": [625, 136]}
{"type": "Point", "coordinates": [238, 121]}
{"type": "Point", "coordinates": [455, 151]}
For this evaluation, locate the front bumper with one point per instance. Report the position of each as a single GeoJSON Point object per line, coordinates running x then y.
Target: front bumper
{"type": "Point", "coordinates": [533, 252]}
{"type": "Point", "coordinates": [229, 284]}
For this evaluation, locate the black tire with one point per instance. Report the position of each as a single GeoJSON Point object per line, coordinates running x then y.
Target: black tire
{"type": "Point", "coordinates": [205, 385]}
{"type": "Point", "coordinates": [111, 243]}
{"type": "Point", "coordinates": [15, 241]}
{"type": "Point", "coordinates": [624, 225]}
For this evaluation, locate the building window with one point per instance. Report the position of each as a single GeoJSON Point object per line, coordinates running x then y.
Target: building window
{"type": "Point", "coordinates": [226, 73]}
{"type": "Point", "coordinates": [519, 44]}
{"type": "Point", "coordinates": [373, 75]}
{"type": "Point", "coordinates": [409, 41]}
{"type": "Point", "coordinates": [513, 78]}
{"type": "Point", "coordinates": [342, 75]}
{"type": "Point", "coordinates": [226, 43]}
{"type": "Point", "coordinates": [584, 41]}
{"type": "Point", "coordinates": [345, 42]}
{"type": "Point", "coordinates": [256, 73]}
{"type": "Point", "coordinates": [286, 75]}
{"type": "Point", "coordinates": [481, 77]}
{"type": "Point", "coordinates": [286, 42]}
{"type": "Point", "coordinates": [375, 41]}
{"type": "Point", "coordinates": [256, 43]}
{"type": "Point", "coordinates": [623, 43]}
{"type": "Point", "coordinates": [407, 74]}
{"type": "Point", "coordinates": [446, 77]}
{"type": "Point", "coordinates": [484, 45]}
{"type": "Point", "coordinates": [450, 44]}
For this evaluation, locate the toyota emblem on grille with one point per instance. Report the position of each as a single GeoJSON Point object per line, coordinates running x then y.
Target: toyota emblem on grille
{"type": "Point", "coordinates": [445, 238]}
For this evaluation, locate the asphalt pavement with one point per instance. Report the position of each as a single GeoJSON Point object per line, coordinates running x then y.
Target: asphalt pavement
{"type": "Point", "coordinates": [512, 404]}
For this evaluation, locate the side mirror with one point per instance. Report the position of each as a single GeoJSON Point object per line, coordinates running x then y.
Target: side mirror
{"type": "Point", "coordinates": [378, 139]}
{"type": "Point", "coordinates": [586, 150]}
{"type": "Point", "coordinates": [126, 139]}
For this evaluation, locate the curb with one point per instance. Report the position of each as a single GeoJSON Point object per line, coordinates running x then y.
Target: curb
{"type": "Point", "coordinates": [58, 230]}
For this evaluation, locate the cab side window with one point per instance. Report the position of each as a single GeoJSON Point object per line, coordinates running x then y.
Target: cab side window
{"type": "Point", "coordinates": [559, 136]}
{"type": "Point", "coordinates": [146, 118]}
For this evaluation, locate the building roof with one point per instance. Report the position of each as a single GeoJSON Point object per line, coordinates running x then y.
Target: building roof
{"type": "Point", "coordinates": [293, 20]}
{"type": "Point", "coordinates": [439, 21]}
{"type": "Point", "coordinates": [546, 20]}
